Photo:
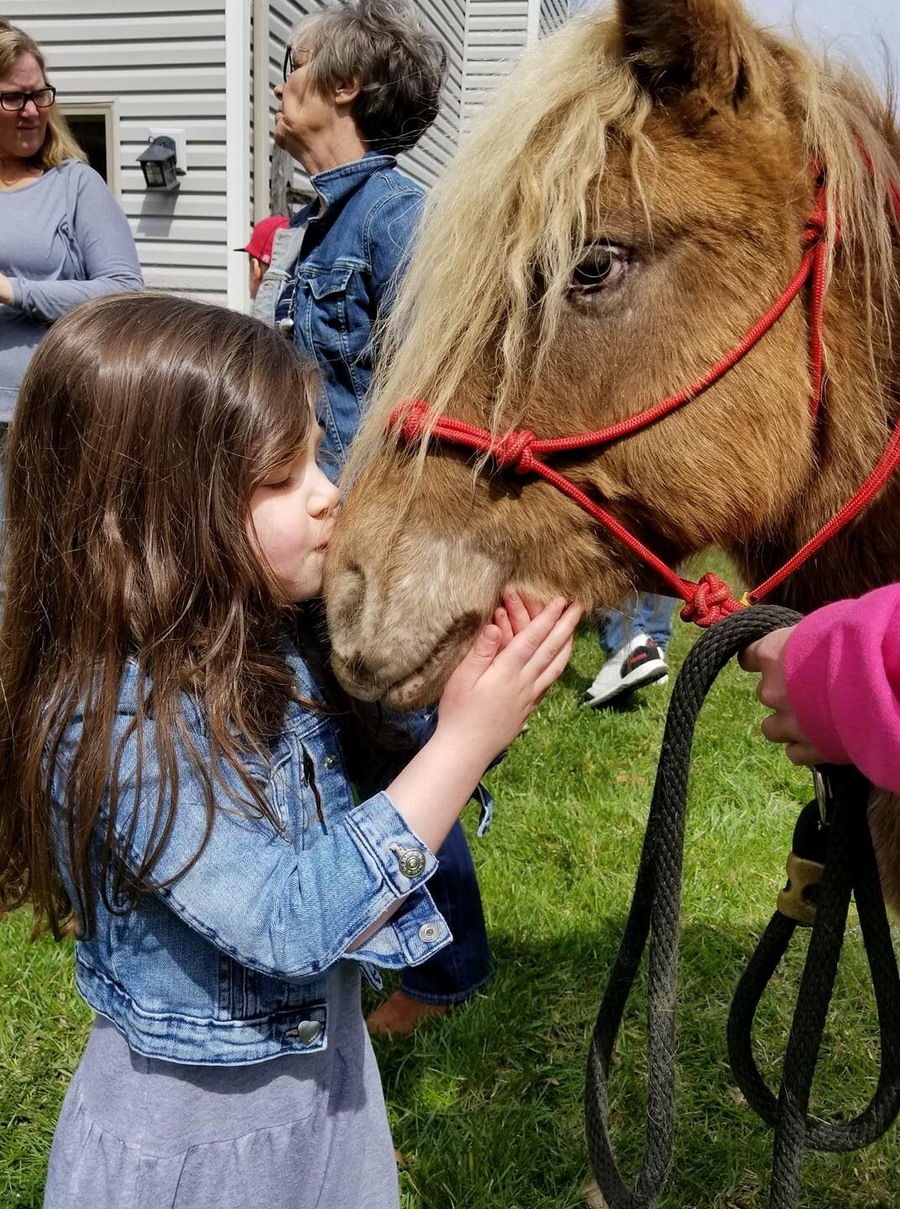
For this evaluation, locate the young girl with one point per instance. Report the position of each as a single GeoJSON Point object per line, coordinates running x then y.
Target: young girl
{"type": "Point", "coordinates": [172, 776]}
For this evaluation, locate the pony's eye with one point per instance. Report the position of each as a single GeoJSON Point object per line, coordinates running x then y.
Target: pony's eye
{"type": "Point", "coordinates": [603, 265]}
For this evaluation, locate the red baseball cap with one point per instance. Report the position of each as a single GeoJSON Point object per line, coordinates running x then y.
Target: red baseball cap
{"type": "Point", "coordinates": [260, 242]}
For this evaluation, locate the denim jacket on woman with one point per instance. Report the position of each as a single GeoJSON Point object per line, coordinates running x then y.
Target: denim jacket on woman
{"type": "Point", "coordinates": [228, 964]}
{"type": "Point", "coordinates": [356, 236]}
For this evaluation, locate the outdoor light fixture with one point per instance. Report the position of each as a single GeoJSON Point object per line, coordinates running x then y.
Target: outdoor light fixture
{"type": "Point", "coordinates": [159, 164]}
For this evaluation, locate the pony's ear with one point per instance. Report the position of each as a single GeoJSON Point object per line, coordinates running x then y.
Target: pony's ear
{"type": "Point", "coordinates": [697, 49]}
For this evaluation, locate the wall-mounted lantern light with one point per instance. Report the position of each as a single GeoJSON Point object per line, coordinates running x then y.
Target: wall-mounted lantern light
{"type": "Point", "coordinates": [159, 165]}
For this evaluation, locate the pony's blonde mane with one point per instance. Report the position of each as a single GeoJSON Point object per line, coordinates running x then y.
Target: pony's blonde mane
{"type": "Point", "coordinates": [513, 209]}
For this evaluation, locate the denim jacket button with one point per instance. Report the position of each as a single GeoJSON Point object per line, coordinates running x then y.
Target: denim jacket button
{"type": "Point", "coordinates": [307, 1031]}
{"type": "Point", "coordinates": [330, 761]}
{"type": "Point", "coordinates": [411, 862]}
{"type": "Point", "coordinates": [429, 932]}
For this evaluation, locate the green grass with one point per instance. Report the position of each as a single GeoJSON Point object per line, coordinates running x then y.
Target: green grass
{"type": "Point", "coordinates": [486, 1104]}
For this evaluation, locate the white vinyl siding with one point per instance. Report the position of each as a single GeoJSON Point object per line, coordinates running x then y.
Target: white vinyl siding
{"type": "Point", "coordinates": [162, 65]}
{"type": "Point", "coordinates": [553, 13]}
{"type": "Point", "coordinates": [496, 35]}
{"type": "Point", "coordinates": [446, 18]}
{"type": "Point", "coordinates": [497, 32]}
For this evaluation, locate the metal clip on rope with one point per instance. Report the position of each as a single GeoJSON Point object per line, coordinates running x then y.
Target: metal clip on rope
{"type": "Point", "coordinates": [833, 833]}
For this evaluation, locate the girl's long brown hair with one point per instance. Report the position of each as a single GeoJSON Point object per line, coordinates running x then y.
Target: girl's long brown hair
{"type": "Point", "coordinates": [142, 427]}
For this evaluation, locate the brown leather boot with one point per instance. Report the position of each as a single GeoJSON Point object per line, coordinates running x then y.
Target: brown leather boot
{"type": "Point", "coordinates": [400, 1014]}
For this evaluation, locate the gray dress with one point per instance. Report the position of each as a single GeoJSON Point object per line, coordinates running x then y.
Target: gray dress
{"type": "Point", "coordinates": [297, 1132]}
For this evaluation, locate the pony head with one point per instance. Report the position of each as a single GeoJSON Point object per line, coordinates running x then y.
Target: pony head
{"type": "Point", "coordinates": [631, 205]}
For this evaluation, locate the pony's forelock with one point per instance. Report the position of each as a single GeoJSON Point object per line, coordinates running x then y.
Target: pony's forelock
{"type": "Point", "coordinates": [511, 208]}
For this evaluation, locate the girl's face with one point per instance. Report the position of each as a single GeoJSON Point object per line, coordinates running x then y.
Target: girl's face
{"type": "Point", "coordinates": [23, 131]}
{"type": "Point", "coordinates": [291, 518]}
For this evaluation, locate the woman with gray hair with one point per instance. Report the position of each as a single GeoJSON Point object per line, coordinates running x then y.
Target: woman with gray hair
{"type": "Point", "coordinates": [362, 83]}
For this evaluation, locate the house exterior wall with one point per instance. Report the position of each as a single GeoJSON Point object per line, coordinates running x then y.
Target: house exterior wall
{"type": "Point", "coordinates": [447, 18]}
{"type": "Point", "coordinates": [497, 32]}
{"type": "Point", "coordinates": [551, 15]}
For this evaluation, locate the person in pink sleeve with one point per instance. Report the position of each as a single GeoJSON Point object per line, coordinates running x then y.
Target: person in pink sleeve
{"type": "Point", "coordinates": [833, 682]}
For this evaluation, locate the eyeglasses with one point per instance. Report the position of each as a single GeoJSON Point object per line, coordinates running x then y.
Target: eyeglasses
{"type": "Point", "coordinates": [289, 64]}
{"type": "Point", "coordinates": [12, 102]}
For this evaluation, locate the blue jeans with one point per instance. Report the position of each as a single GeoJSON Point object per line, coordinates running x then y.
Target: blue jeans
{"type": "Point", "coordinates": [650, 615]}
{"type": "Point", "coordinates": [463, 966]}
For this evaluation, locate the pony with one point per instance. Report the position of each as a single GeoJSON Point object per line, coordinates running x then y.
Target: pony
{"type": "Point", "coordinates": [638, 196]}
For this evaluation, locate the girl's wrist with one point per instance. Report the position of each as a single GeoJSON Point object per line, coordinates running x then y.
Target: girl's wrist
{"type": "Point", "coordinates": [431, 791]}
{"type": "Point", "coordinates": [466, 747]}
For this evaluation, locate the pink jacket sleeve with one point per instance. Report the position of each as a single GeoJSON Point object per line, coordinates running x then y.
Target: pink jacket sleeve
{"type": "Point", "coordinates": [842, 667]}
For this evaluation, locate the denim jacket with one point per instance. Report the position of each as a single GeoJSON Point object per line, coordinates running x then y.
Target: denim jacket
{"type": "Point", "coordinates": [357, 236]}
{"type": "Point", "coordinates": [228, 964]}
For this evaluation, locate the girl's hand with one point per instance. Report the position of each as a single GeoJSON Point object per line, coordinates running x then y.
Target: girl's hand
{"type": "Point", "coordinates": [766, 656]}
{"type": "Point", "coordinates": [513, 614]}
{"type": "Point", "coordinates": [6, 290]}
{"type": "Point", "coordinates": [511, 665]}
{"type": "Point", "coordinates": [484, 706]}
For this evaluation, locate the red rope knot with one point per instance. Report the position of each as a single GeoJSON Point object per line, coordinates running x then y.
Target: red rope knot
{"type": "Point", "coordinates": [710, 602]}
{"type": "Point", "coordinates": [514, 451]}
{"type": "Point", "coordinates": [409, 420]}
{"type": "Point", "coordinates": [816, 226]}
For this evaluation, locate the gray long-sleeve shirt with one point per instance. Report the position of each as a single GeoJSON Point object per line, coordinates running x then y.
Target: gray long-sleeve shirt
{"type": "Point", "coordinates": [63, 240]}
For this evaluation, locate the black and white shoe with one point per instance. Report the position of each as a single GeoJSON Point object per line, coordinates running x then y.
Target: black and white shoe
{"type": "Point", "coordinates": [635, 665]}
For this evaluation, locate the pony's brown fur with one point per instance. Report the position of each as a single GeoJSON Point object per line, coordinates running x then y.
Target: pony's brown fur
{"type": "Point", "coordinates": [680, 133]}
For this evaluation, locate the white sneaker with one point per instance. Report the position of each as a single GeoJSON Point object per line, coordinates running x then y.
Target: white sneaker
{"type": "Point", "coordinates": [635, 665]}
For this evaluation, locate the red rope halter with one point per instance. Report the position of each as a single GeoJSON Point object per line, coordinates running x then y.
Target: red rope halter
{"type": "Point", "coordinates": [709, 600]}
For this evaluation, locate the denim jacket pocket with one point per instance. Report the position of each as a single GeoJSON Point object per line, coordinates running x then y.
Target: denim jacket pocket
{"type": "Point", "coordinates": [270, 778]}
{"type": "Point", "coordinates": [330, 283]}
{"type": "Point", "coordinates": [246, 994]}
{"type": "Point", "coordinates": [339, 319]}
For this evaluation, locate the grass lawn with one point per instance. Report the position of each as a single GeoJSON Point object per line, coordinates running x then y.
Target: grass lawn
{"type": "Point", "coordinates": [486, 1103]}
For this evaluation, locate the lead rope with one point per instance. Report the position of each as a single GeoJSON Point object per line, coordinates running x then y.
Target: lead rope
{"type": "Point", "coordinates": [654, 915]}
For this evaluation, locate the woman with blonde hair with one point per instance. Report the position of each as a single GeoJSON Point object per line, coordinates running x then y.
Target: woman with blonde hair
{"type": "Point", "coordinates": [63, 236]}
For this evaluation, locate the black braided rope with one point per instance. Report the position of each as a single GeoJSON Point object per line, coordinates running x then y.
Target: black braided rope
{"type": "Point", "coordinates": [654, 914]}
{"type": "Point", "coordinates": [849, 867]}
